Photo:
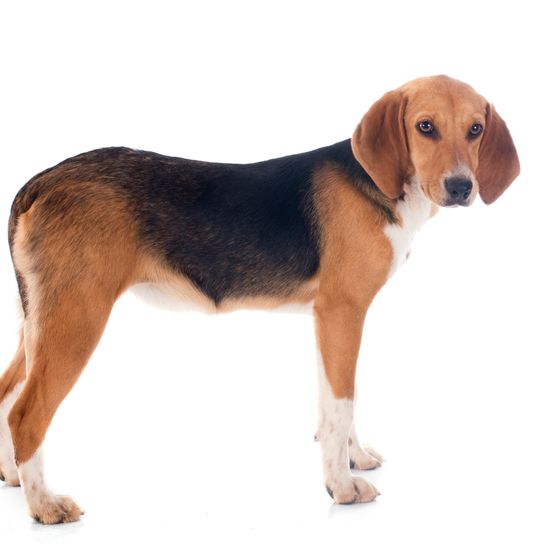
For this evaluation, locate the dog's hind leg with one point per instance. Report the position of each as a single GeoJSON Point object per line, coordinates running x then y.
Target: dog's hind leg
{"type": "Point", "coordinates": [74, 252]}
{"type": "Point", "coordinates": [11, 384]}
{"type": "Point", "coordinates": [57, 349]}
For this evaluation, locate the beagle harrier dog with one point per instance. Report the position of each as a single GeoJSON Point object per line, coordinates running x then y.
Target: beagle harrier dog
{"type": "Point", "coordinates": [327, 227]}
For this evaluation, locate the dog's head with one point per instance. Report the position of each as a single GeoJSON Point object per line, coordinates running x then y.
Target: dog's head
{"type": "Point", "coordinates": [440, 132]}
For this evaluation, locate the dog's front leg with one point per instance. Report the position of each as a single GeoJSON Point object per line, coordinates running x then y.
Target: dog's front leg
{"type": "Point", "coordinates": [339, 326]}
{"type": "Point", "coordinates": [362, 456]}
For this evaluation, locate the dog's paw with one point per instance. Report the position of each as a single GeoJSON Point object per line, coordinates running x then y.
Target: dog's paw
{"type": "Point", "coordinates": [9, 475]}
{"type": "Point", "coordinates": [352, 490]}
{"type": "Point", "coordinates": [364, 457]}
{"type": "Point", "coordinates": [50, 509]}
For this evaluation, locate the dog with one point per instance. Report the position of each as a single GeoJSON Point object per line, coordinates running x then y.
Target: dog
{"type": "Point", "coordinates": [326, 228]}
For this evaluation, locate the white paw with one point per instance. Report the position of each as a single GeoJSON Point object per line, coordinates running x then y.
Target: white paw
{"type": "Point", "coordinates": [9, 474]}
{"type": "Point", "coordinates": [364, 457]}
{"type": "Point", "coordinates": [49, 509]}
{"type": "Point", "coordinates": [352, 490]}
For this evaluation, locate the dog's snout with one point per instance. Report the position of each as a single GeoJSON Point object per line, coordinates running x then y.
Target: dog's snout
{"type": "Point", "coordinates": [458, 190]}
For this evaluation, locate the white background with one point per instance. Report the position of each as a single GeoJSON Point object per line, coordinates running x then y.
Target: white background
{"type": "Point", "coordinates": [190, 428]}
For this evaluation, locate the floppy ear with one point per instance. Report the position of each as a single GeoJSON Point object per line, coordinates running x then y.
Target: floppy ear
{"type": "Point", "coordinates": [498, 163]}
{"type": "Point", "coordinates": [379, 144]}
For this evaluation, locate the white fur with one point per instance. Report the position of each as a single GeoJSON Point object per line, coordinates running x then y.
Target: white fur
{"type": "Point", "coordinates": [7, 458]}
{"type": "Point", "coordinates": [460, 171]}
{"type": "Point", "coordinates": [363, 457]}
{"type": "Point", "coordinates": [172, 297]}
{"type": "Point", "coordinates": [166, 297]}
{"type": "Point", "coordinates": [413, 211]}
{"type": "Point", "coordinates": [335, 423]}
{"type": "Point", "coordinates": [335, 420]}
{"type": "Point", "coordinates": [43, 504]}
{"type": "Point", "coordinates": [32, 480]}
{"type": "Point", "coordinates": [36, 492]}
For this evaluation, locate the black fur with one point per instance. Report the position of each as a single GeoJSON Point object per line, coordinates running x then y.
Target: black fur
{"type": "Point", "coordinates": [234, 230]}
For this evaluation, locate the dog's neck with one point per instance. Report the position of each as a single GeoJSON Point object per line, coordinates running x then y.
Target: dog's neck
{"type": "Point", "coordinates": [412, 212]}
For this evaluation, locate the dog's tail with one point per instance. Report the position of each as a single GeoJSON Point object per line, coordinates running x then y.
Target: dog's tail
{"type": "Point", "coordinates": [23, 201]}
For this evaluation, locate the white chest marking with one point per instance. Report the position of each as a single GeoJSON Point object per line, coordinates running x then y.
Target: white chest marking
{"type": "Point", "coordinates": [413, 211]}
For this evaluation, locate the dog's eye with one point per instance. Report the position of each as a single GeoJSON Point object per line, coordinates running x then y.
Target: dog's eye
{"type": "Point", "coordinates": [426, 127]}
{"type": "Point", "coordinates": [476, 129]}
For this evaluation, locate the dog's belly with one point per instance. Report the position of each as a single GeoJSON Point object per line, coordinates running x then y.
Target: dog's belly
{"type": "Point", "coordinates": [176, 293]}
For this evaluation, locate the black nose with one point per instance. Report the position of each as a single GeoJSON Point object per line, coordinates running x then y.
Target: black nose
{"type": "Point", "coordinates": [458, 189]}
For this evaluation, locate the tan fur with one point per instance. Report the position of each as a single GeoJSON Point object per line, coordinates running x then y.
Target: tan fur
{"type": "Point", "coordinates": [379, 144]}
{"type": "Point", "coordinates": [392, 150]}
{"type": "Point", "coordinates": [75, 249]}
{"type": "Point", "coordinates": [355, 262]}
{"type": "Point", "coordinates": [66, 320]}
{"type": "Point", "coordinates": [498, 161]}
{"type": "Point", "coordinates": [15, 372]}
{"type": "Point", "coordinates": [10, 382]}
{"type": "Point", "coordinates": [74, 272]}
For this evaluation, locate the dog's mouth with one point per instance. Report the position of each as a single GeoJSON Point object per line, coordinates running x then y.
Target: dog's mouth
{"type": "Point", "coordinates": [448, 204]}
{"type": "Point", "coordinates": [452, 189]}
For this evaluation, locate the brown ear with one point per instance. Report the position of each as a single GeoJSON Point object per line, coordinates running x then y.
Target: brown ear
{"type": "Point", "coordinates": [379, 144]}
{"type": "Point", "coordinates": [498, 164]}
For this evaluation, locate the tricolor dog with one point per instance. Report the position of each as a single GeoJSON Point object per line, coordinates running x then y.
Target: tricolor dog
{"type": "Point", "coordinates": [327, 227]}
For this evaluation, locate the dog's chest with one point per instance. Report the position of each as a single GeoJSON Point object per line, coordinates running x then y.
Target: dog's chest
{"type": "Point", "coordinates": [413, 212]}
